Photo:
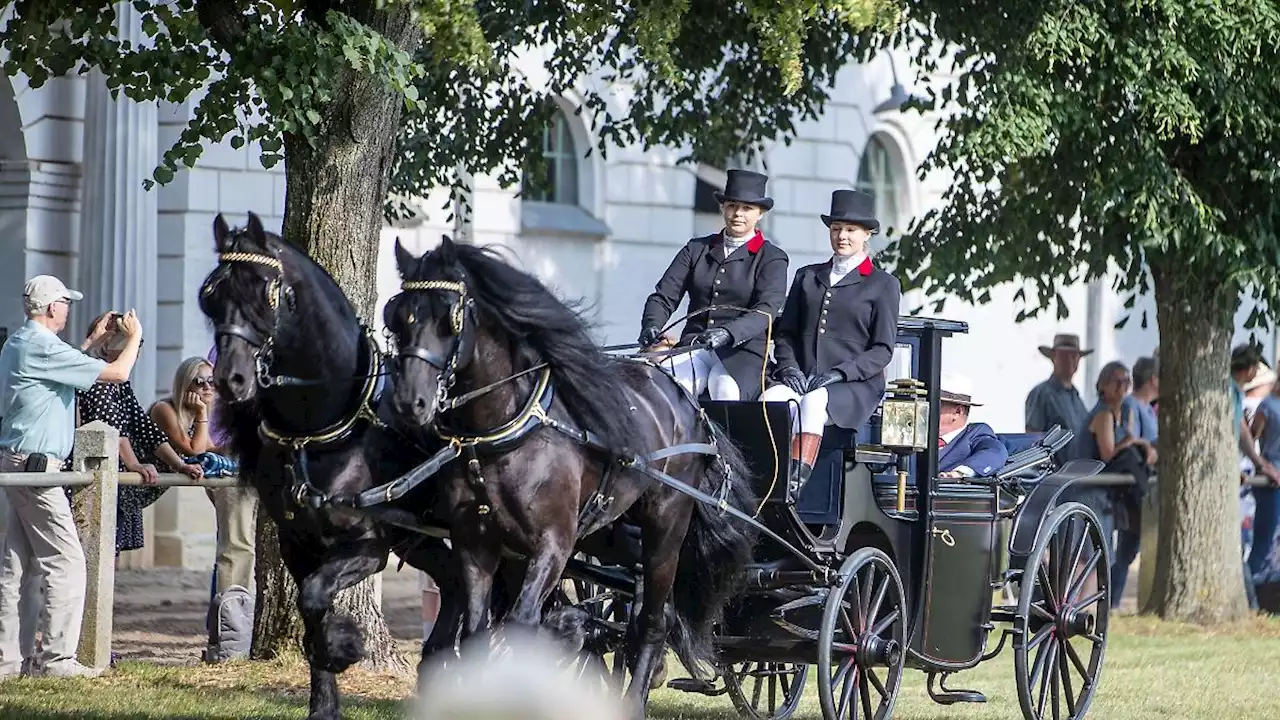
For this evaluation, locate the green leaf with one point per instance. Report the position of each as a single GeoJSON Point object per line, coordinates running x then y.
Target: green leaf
{"type": "Point", "coordinates": [163, 175]}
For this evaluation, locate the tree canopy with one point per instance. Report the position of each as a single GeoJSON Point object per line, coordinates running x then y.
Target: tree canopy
{"type": "Point", "coordinates": [1094, 137]}
{"type": "Point", "coordinates": [715, 77]}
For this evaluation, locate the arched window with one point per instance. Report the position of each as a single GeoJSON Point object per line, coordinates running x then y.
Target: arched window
{"type": "Point", "coordinates": [878, 175]}
{"type": "Point", "coordinates": [561, 182]}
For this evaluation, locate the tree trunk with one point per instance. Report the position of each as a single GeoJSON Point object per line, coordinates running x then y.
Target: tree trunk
{"type": "Point", "coordinates": [1198, 570]}
{"type": "Point", "coordinates": [335, 187]}
{"type": "Point", "coordinates": [277, 626]}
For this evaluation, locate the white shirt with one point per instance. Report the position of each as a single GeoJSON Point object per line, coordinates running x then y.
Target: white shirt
{"type": "Point", "coordinates": [732, 243]}
{"type": "Point", "coordinates": [842, 265]}
{"type": "Point", "coordinates": [964, 470]}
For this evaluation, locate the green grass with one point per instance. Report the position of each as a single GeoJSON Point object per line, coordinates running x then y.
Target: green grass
{"type": "Point", "coordinates": [1152, 670]}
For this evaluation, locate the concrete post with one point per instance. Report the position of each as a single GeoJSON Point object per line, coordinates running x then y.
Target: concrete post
{"type": "Point", "coordinates": [1149, 542]}
{"type": "Point", "coordinates": [97, 450]}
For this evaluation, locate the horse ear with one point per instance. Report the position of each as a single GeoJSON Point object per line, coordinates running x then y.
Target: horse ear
{"type": "Point", "coordinates": [405, 261]}
{"type": "Point", "coordinates": [448, 253]}
{"type": "Point", "coordinates": [255, 227]}
{"type": "Point", "coordinates": [221, 233]}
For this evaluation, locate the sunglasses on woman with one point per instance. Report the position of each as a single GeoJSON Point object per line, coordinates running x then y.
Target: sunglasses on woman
{"type": "Point", "coordinates": [202, 382]}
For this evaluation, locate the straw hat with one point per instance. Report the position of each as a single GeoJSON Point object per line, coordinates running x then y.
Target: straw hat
{"type": "Point", "coordinates": [1064, 341]}
{"type": "Point", "coordinates": [958, 390]}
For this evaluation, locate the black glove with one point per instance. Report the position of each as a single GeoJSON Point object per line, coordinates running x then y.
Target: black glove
{"type": "Point", "coordinates": [792, 378]}
{"type": "Point", "coordinates": [649, 336]}
{"type": "Point", "coordinates": [822, 380]}
{"type": "Point", "coordinates": [715, 338]}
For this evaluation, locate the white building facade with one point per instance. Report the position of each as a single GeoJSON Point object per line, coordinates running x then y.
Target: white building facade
{"type": "Point", "coordinates": [72, 203]}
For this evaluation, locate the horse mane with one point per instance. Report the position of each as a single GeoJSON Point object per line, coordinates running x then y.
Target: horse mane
{"type": "Point", "coordinates": [546, 329]}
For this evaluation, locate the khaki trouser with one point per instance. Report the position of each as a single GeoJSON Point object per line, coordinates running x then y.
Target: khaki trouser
{"type": "Point", "coordinates": [236, 510]}
{"type": "Point", "coordinates": [41, 552]}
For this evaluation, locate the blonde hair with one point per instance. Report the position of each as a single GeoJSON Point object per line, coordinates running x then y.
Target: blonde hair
{"type": "Point", "coordinates": [183, 377]}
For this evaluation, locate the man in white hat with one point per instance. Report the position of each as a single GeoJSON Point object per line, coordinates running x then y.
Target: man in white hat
{"type": "Point", "coordinates": [965, 449]}
{"type": "Point", "coordinates": [39, 377]}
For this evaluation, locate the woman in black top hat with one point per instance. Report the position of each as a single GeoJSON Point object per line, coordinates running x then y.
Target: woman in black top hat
{"type": "Point", "coordinates": [837, 333]}
{"type": "Point", "coordinates": [734, 267]}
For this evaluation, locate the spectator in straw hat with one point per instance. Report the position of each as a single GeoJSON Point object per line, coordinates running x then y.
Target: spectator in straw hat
{"type": "Point", "coordinates": [1056, 400]}
{"type": "Point", "coordinates": [967, 449]}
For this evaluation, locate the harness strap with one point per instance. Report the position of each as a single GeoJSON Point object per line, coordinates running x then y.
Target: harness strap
{"type": "Point", "coordinates": [698, 448]}
{"type": "Point", "coordinates": [637, 464]}
{"type": "Point", "coordinates": [401, 486]}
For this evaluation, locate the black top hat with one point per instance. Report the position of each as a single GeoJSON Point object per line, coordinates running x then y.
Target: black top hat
{"type": "Point", "coordinates": [853, 206]}
{"type": "Point", "coordinates": [745, 186]}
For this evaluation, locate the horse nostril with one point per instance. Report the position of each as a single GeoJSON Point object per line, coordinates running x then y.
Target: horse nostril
{"type": "Point", "coordinates": [420, 404]}
{"type": "Point", "coordinates": [236, 380]}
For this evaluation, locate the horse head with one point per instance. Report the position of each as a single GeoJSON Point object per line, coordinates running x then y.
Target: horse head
{"type": "Point", "coordinates": [434, 324]}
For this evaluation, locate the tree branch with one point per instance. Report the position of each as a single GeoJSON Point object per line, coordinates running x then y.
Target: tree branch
{"type": "Point", "coordinates": [223, 20]}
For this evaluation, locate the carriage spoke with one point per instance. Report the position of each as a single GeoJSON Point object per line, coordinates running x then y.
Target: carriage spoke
{"type": "Point", "coordinates": [1051, 654]}
{"type": "Point", "coordinates": [1040, 637]}
{"type": "Point", "coordinates": [1078, 583]}
{"type": "Point", "coordinates": [756, 686]}
{"type": "Point", "coordinates": [1075, 660]}
{"type": "Point", "coordinates": [1037, 667]}
{"type": "Point", "coordinates": [884, 624]}
{"type": "Point", "coordinates": [850, 627]}
{"type": "Point", "coordinates": [865, 598]}
{"type": "Point", "coordinates": [854, 602]}
{"type": "Point", "coordinates": [1064, 668]}
{"type": "Point", "coordinates": [846, 688]}
{"type": "Point", "coordinates": [1047, 582]}
{"type": "Point", "coordinates": [1054, 695]}
{"type": "Point", "coordinates": [1091, 600]}
{"type": "Point", "coordinates": [1038, 610]}
{"type": "Point", "coordinates": [877, 602]}
{"type": "Point", "coordinates": [884, 694]}
{"type": "Point", "coordinates": [773, 691]}
{"type": "Point", "coordinates": [864, 690]}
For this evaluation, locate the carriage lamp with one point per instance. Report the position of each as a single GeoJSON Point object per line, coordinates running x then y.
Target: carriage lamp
{"type": "Point", "coordinates": [904, 425]}
{"type": "Point", "coordinates": [905, 416]}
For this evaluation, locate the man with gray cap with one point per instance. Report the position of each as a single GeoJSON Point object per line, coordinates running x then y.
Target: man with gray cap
{"type": "Point", "coordinates": [39, 377]}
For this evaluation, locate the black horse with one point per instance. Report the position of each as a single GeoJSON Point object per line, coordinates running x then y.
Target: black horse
{"type": "Point", "coordinates": [301, 380]}
{"type": "Point", "coordinates": [549, 426]}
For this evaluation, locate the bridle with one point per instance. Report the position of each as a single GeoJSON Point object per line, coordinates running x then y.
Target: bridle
{"type": "Point", "coordinates": [458, 312]}
{"type": "Point", "coordinates": [275, 296]}
{"type": "Point", "coordinates": [276, 293]}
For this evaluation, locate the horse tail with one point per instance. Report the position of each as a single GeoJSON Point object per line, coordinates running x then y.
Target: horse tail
{"type": "Point", "coordinates": [714, 556]}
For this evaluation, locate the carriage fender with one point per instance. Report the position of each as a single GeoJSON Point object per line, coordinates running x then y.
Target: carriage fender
{"type": "Point", "coordinates": [1042, 500]}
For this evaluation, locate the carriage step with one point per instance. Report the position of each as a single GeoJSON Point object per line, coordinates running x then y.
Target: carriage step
{"type": "Point", "coordinates": [693, 685]}
{"type": "Point", "coordinates": [951, 697]}
{"type": "Point", "coordinates": [944, 695]}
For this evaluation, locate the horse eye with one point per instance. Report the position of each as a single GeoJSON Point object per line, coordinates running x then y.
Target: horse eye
{"type": "Point", "coordinates": [411, 319]}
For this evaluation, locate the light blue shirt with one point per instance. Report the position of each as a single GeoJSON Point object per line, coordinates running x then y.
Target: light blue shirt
{"type": "Point", "coordinates": [39, 377]}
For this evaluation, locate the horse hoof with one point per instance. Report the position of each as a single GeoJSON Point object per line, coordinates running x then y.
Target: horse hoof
{"type": "Point", "coordinates": [343, 641]}
{"type": "Point", "coordinates": [659, 676]}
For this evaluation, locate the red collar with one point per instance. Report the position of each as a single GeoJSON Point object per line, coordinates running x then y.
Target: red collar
{"type": "Point", "coordinates": [753, 245]}
{"type": "Point", "coordinates": [865, 267]}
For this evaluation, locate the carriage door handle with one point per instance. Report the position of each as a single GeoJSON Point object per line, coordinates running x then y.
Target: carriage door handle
{"type": "Point", "coordinates": [944, 535]}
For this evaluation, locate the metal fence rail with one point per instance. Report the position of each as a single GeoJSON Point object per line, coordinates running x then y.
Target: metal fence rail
{"type": "Point", "coordinates": [95, 476]}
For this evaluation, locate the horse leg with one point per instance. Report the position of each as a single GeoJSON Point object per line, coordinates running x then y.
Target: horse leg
{"type": "Point", "coordinates": [479, 564]}
{"type": "Point", "coordinates": [435, 559]}
{"type": "Point", "coordinates": [333, 642]}
{"type": "Point", "coordinates": [648, 635]}
{"type": "Point", "coordinates": [301, 563]}
{"type": "Point", "coordinates": [546, 566]}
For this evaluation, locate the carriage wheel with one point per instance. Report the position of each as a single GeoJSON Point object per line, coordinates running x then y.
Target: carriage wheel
{"type": "Point", "coordinates": [766, 690]}
{"type": "Point", "coordinates": [1060, 630]}
{"type": "Point", "coordinates": [863, 641]}
{"type": "Point", "coordinates": [605, 605]}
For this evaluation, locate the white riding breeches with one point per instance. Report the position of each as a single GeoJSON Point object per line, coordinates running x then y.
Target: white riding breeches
{"type": "Point", "coordinates": [812, 411]}
{"type": "Point", "coordinates": [701, 370]}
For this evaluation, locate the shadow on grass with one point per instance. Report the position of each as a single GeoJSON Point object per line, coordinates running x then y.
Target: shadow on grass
{"type": "Point", "coordinates": [140, 692]}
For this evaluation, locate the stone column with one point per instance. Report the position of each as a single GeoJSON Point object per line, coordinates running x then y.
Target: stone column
{"type": "Point", "coordinates": [118, 244]}
{"type": "Point", "coordinates": [94, 507]}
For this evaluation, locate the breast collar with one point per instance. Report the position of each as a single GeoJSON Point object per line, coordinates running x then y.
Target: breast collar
{"type": "Point", "coordinates": [371, 392]}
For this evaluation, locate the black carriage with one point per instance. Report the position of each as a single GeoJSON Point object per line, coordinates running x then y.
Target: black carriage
{"type": "Point", "coordinates": [879, 565]}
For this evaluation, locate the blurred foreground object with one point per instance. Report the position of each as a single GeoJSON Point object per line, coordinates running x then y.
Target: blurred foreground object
{"type": "Point", "coordinates": [526, 678]}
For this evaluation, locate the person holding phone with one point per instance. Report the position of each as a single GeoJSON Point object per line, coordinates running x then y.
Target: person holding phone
{"type": "Point", "coordinates": [39, 377]}
{"type": "Point", "coordinates": [144, 446]}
